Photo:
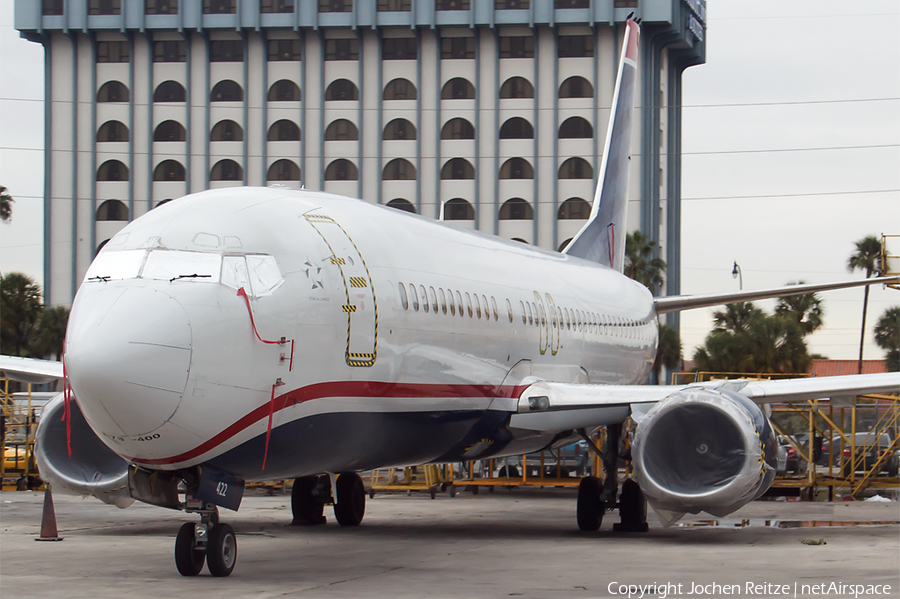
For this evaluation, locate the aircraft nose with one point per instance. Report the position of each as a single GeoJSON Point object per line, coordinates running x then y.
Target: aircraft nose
{"type": "Point", "coordinates": [128, 356]}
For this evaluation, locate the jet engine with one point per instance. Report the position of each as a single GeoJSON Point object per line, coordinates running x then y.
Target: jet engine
{"type": "Point", "coordinates": [93, 468]}
{"type": "Point", "coordinates": [703, 449]}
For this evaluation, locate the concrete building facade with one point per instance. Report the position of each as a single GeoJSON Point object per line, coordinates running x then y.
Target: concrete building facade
{"type": "Point", "coordinates": [488, 113]}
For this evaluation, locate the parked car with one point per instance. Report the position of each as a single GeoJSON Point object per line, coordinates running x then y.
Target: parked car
{"type": "Point", "coordinates": [869, 447]}
{"type": "Point", "coordinates": [793, 461]}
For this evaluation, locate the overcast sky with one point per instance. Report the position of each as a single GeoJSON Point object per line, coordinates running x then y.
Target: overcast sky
{"type": "Point", "coordinates": [804, 77]}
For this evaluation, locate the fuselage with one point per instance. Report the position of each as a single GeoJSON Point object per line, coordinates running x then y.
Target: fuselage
{"type": "Point", "coordinates": [369, 336]}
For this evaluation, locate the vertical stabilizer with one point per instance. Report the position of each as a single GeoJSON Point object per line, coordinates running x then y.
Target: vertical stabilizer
{"type": "Point", "coordinates": [602, 239]}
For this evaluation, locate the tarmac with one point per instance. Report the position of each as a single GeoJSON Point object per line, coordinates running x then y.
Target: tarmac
{"type": "Point", "coordinates": [511, 543]}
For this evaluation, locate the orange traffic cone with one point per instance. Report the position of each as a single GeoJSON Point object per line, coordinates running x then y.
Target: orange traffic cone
{"type": "Point", "coordinates": [48, 520]}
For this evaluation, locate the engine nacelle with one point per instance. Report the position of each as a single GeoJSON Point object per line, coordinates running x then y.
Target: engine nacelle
{"type": "Point", "coordinates": [94, 469]}
{"type": "Point", "coordinates": [703, 449]}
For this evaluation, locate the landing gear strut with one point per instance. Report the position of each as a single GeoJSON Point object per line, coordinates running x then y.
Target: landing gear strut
{"type": "Point", "coordinates": [209, 540]}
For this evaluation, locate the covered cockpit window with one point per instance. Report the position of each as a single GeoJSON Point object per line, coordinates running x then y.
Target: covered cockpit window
{"type": "Point", "coordinates": [110, 265]}
{"type": "Point", "coordinates": [264, 274]}
{"type": "Point", "coordinates": [177, 266]}
{"type": "Point", "coordinates": [257, 274]}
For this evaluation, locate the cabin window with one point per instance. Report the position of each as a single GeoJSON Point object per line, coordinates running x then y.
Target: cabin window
{"type": "Point", "coordinates": [459, 303]}
{"type": "Point", "coordinates": [450, 301]}
{"type": "Point", "coordinates": [404, 300]}
{"type": "Point", "coordinates": [477, 307]}
{"type": "Point", "coordinates": [494, 308]}
{"type": "Point", "coordinates": [530, 315]}
{"type": "Point", "coordinates": [414, 297]}
{"type": "Point", "coordinates": [469, 305]}
{"type": "Point", "coordinates": [424, 297]}
{"type": "Point", "coordinates": [509, 310]}
{"type": "Point", "coordinates": [543, 314]}
{"type": "Point", "coordinates": [443, 300]}
{"type": "Point", "coordinates": [433, 296]}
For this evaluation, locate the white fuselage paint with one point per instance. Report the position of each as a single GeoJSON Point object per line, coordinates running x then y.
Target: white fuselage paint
{"type": "Point", "coordinates": [170, 374]}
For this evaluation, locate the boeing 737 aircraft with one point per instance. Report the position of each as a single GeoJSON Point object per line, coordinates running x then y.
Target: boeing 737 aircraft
{"type": "Point", "coordinates": [251, 334]}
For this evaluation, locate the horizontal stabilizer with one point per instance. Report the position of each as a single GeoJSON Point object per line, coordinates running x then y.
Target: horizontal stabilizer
{"type": "Point", "coordinates": [677, 303]}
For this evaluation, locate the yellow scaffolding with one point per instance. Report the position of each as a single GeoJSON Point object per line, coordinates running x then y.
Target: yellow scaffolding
{"type": "Point", "coordinates": [18, 423]}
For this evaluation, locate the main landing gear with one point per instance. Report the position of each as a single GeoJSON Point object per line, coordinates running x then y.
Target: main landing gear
{"type": "Point", "coordinates": [596, 497]}
{"type": "Point", "coordinates": [311, 493]}
{"type": "Point", "coordinates": [210, 540]}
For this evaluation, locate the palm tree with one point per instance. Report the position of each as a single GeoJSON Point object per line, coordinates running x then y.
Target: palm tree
{"type": "Point", "coordinates": [735, 318]}
{"type": "Point", "coordinates": [805, 309]}
{"type": "Point", "coordinates": [20, 306]}
{"type": "Point", "coordinates": [50, 332]}
{"type": "Point", "coordinates": [640, 264]}
{"type": "Point", "coordinates": [763, 344]}
{"type": "Point", "coordinates": [868, 258]}
{"type": "Point", "coordinates": [887, 336]}
{"type": "Point", "coordinates": [668, 351]}
{"type": "Point", "coordinates": [6, 202]}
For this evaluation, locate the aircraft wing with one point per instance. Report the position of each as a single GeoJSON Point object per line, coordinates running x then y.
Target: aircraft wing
{"type": "Point", "coordinates": [30, 370]}
{"type": "Point", "coordinates": [676, 303]}
{"type": "Point", "coordinates": [546, 406]}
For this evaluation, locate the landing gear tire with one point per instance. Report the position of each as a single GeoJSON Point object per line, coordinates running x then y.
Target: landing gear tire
{"type": "Point", "coordinates": [590, 510]}
{"type": "Point", "coordinates": [350, 504]}
{"type": "Point", "coordinates": [632, 509]}
{"type": "Point", "coordinates": [221, 550]}
{"type": "Point", "coordinates": [307, 503]}
{"type": "Point", "coordinates": [188, 560]}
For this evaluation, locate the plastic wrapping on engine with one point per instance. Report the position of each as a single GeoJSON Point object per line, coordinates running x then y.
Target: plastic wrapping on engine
{"type": "Point", "coordinates": [703, 450]}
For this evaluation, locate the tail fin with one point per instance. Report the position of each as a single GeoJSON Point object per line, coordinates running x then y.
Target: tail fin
{"type": "Point", "coordinates": [602, 239]}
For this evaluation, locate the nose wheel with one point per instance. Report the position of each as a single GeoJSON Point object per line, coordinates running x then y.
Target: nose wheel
{"type": "Point", "coordinates": [210, 540]}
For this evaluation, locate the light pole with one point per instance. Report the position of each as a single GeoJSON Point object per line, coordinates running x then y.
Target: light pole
{"type": "Point", "coordinates": [737, 274]}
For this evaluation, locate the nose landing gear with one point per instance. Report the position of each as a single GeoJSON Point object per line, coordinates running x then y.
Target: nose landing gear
{"type": "Point", "coordinates": [210, 540]}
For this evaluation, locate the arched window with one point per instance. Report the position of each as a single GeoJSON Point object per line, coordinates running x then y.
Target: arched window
{"type": "Point", "coordinates": [100, 247]}
{"type": "Point", "coordinates": [112, 170]}
{"type": "Point", "coordinates": [401, 204]}
{"type": "Point", "coordinates": [517, 87]}
{"type": "Point", "coordinates": [516, 128]}
{"type": "Point", "coordinates": [576, 127]}
{"type": "Point", "coordinates": [576, 168]}
{"type": "Point", "coordinates": [226, 131]}
{"type": "Point", "coordinates": [576, 87]}
{"type": "Point", "coordinates": [168, 170]}
{"type": "Point", "coordinates": [516, 209]}
{"type": "Point", "coordinates": [284, 130]}
{"type": "Point", "coordinates": [574, 209]}
{"type": "Point", "coordinates": [458, 89]}
{"type": "Point", "coordinates": [341, 130]}
{"type": "Point", "coordinates": [341, 170]}
{"type": "Point", "coordinates": [227, 91]}
{"type": "Point", "coordinates": [226, 170]}
{"type": "Point", "coordinates": [399, 169]}
{"type": "Point", "coordinates": [169, 131]}
{"type": "Point", "coordinates": [458, 209]}
{"type": "Point", "coordinates": [458, 128]}
{"type": "Point", "coordinates": [400, 89]}
{"type": "Point", "coordinates": [399, 129]}
{"type": "Point", "coordinates": [112, 210]}
{"type": "Point", "coordinates": [161, 202]}
{"type": "Point", "coordinates": [112, 91]}
{"type": "Point", "coordinates": [517, 168]}
{"type": "Point", "coordinates": [169, 91]}
{"type": "Point", "coordinates": [342, 89]}
{"type": "Point", "coordinates": [564, 244]}
{"type": "Point", "coordinates": [520, 240]}
{"type": "Point", "coordinates": [112, 131]}
{"type": "Point", "coordinates": [284, 90]}
{"type": "Point", "coordinates": [458, 168]}
{"type": "Point", "coordinates": [283, 170]}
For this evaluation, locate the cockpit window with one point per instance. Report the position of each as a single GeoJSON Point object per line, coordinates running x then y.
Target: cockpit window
{"type": "Point", "coordinates": [175, 265]}
{"type": "Point", "coordinates": [108, 266]}
{"type": "Point", "coordinates": [264, 274]}
{"type": "Point", "coordinates": [257, 274]}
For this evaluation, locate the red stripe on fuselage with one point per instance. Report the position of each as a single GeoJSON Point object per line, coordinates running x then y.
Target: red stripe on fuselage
{"type": "Point", "coordinates": [339, 389]}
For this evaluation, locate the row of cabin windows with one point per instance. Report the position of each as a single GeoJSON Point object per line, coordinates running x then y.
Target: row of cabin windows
{"type": "Point", "coordinates": [403, 48]}
{"type": "Point", "coordinates": [285, 90]}
{"type": "Point", "coordinates": [170, 7]}
{"type": "Point", "coordinates": [452, 302]}
{"type": "Point", "coordinates": [344, 130]}
{"type": "Point", "coordinates": [398, 169]}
